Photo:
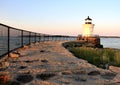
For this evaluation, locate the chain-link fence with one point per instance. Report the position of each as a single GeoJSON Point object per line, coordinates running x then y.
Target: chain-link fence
{"type": "Point", "coordinates": [12, 38]}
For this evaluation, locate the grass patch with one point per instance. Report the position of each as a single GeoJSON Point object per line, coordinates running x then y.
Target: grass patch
{"type": "Point", "coordinates": [98, 57]}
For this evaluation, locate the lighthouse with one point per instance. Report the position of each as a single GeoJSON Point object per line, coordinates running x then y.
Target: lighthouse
{"type": "Point", "coordinates": [87, 37]}
{"type": "Point", "coordinates": [88, 27]}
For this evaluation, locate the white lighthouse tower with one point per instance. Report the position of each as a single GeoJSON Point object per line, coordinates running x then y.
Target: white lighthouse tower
{"type": "Point", "coordinates": [87, 36]}
{"type": "Point", "coordinates": [88, 28]}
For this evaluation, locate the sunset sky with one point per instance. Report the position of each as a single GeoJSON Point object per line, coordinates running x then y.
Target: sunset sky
{"type": "Point", "coordinates": [64, 17]}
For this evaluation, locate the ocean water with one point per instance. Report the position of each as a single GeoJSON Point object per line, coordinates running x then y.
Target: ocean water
{"type": "Point", "coordinates": [110, 42]}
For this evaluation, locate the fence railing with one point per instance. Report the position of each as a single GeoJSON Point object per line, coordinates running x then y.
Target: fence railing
{"type": "Point", "coordinates": [13, 38]}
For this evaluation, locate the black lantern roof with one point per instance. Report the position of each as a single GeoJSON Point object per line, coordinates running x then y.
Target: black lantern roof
{"type": "Point", "coordinates": [88, 18]}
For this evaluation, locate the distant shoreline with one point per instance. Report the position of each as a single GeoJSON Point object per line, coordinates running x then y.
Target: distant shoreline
{"type": "Point", "coordinates": [109, 36]}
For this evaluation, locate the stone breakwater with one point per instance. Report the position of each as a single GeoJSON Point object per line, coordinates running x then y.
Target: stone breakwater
{"type": "Point", "coordinates": [49, 63]}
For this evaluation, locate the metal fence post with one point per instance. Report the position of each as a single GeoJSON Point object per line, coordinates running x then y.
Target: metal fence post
{"type": "Point", "coordinates": [35, 38]}
{"type": "Point", "coordinates": [22, 38]}
{"type": "Point", "coordinates": [39, 37]}
{"type": "Point", "coordinates": [29, 37]}
{"type": "Point", "coordinates": [8, 41]}
{"type": "Point", "coordinates": [48, 37]}
{"type": "Point", "coordinates": [43, 38]}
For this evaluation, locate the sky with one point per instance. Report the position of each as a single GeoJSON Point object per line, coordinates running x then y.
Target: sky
{"type": "Point", "coordinates": [62, 17]}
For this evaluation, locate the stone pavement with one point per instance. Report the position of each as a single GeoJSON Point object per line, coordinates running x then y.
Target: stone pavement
{"type": "Point", "coordinates": [49, 63]}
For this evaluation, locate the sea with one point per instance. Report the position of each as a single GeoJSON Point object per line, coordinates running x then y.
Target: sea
{"type": "Point", "coordinates": [110, 42]}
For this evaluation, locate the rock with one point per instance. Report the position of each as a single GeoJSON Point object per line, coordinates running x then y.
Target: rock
{"type": "Point", "coordinates": [45, 76]}
{"type": "Point", "coordinates": [22, 67]}
{"type": "Point", "coordinates": [45, 61]}
{"type": "Point", "coordinates": [42, 50]}
{"type": "Point", "coordinates": [92, 73]}
{"type": "Point", "coordinates": [28, 61]}
{"type": "Point", "coordinates": [25, 47]}
{"type": "Point", "coordinates": [14, 61]}
{"type": "Point", "coordinates": [114, 69]}
{"type": "Point", "coordinates": [79, 72]}
{"type": "Point", "coordinates": [24, 71]}
{"type": "Point", "coordinates": [24, 78]}
{"type": "Point", "coordinates": [4, 65]}
{"type": "Point", "coordinates": [66, 73]}
{"type": "Point", "coordinates": [14, 55]}
{"type": "Point", "coordinates": [32, 45]}
{"type": "Point", "coordinates": [117, 78]}
{"type": "Point", "coordinates": [13, 83]}
{"type": "Point", "coordinates": [45, 83]}
{"type": "Point", "coordinates": [82, 78]}
{"type": "Point", "coordinates": [4, 79]}
{"type": "Point", "coordinates": [108, 75]}
{"type": "Point", "coordinates": [22, 53]}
